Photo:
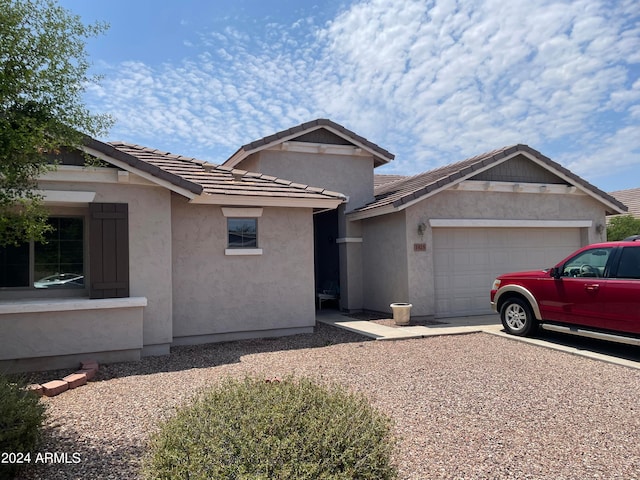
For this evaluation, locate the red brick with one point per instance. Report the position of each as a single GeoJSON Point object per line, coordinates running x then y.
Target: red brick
{"type": "Point", "coordinates": [55, 387]}
{"type": "Point", "coordinates": [76, 380]}
{"type": "Point", "coordinates": [36, 388]}
{"type": "Point", "coordinates": [88, 372]}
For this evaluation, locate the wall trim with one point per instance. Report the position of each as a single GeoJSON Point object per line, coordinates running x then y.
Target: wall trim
{"type": "Point", "coordinates": [516, 187]}
{"type": "Point", "coordinates": [496, 223]}
{"type": "Point", "coordinates": [349, 240]}
{"type": "Point", "coordinates": [242, 212]}
{"type": "Point", "coordinates": [242, 251]}
{"type": "Point", "coordinates": [67, 304]}
{"type": "Point", "coordinates": [66, 197]}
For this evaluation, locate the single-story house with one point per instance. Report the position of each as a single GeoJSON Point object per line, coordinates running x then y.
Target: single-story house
{"type": "Point", "coordinates": [152, 249]}
{"type": "Point", "coordinates": [437, 239]}
{"type": "Point", "coordinates": [160, 250]}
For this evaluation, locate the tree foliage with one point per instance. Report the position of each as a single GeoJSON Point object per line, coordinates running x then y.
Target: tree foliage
{"type": "Point", "coordinates": [43, 74]}
{"type": "Point", "coordinates": [622, 227]}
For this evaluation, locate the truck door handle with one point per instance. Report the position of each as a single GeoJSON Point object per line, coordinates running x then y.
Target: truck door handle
{"type": "Point", "coordinates": [591, 287]}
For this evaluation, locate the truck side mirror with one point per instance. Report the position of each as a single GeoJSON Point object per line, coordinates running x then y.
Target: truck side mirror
{"type": "Point", "coordinates": [555, 273]}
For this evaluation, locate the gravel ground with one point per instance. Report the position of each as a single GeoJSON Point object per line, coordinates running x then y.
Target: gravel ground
{"type": "Point", "coordinates": [464, 407]}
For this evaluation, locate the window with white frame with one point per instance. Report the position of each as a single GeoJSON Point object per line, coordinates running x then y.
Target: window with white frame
{"type": "Point", "coordinates": [242, 230]}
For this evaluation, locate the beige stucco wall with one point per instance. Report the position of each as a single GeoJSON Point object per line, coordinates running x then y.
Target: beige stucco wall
{"type": "Point", "coordinates": [384, 262]}
{"type": "Point", "coordinates": [485, 205]}
{"type": "Point", "coordinates": [218, 296]}
{"type": "Point", "coordinates": [350, 175]}
{"type": "Point", "coordinates": [149, 250]}
{"type": "Point", "coordinates": [350, 257]}
{"type": "Point", "coordinates": [394, 272]}
{"type": "Point", "coordinates": [149, 256]}
{"type": "Point", "coordinates": [60, 333]}
{"type": "Point", "coordinates": [517, 206]}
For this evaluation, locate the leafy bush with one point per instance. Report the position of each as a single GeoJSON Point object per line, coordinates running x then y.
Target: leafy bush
{"type": "Point", "coordinates": [623, 226]}
{"type": "Point", "coordinates": [21, 417]}
{"type": "Point", "coordinates": [292, 429]}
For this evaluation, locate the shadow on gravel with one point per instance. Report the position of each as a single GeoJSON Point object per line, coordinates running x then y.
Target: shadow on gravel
{"type": "Point", "coordinates": [62, 456]}
{"type": "Point", "coordinates": [212, 354]}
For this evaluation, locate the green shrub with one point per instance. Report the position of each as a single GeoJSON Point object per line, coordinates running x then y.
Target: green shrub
{"type": "Point", "coordinates": [623, 226]}
{"type": "Point", "coordinates": [254, 429]}
{"type": "Point", "coordinates": [21, 417]}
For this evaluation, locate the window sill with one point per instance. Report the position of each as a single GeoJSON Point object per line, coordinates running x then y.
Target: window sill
{"type": "Point", "coordinates": [243, 251]}
{"type": "Point", "coordinates": [68, 304]}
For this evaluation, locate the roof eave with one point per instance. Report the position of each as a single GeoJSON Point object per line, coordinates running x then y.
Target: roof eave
{"type": "Point", "coordinates": [266, 201]}
{"type": "Point", "coordinates": [125, 161]}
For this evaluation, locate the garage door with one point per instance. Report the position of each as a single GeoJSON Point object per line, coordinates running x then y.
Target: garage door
{"type": "Point", "coordinates": [466, 261]}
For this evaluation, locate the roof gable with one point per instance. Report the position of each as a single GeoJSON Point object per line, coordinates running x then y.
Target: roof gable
{"type": "Point", "coordinates": [321, 131]}
{"type": "Point", "coordinates": [398, 194]}
{"type": "Point", "coordinates": [520, 169]}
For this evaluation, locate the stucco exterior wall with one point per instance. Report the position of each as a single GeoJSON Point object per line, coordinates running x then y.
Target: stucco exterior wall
{"type": "Point", "coordinates": [350, 175]}
{"type": "Point", "coordinates": [517, 206]}
{"type": "Point", "coordinates": [384, 262]}
{"type": "Point", "coordinates": [60, 333]}
{"type": "Point", "coordinates": [149, 257]}
{"type": "Point", "coordinates": [149, 251]}
{"type": "Point", "coordinates": [484, 205]}
{"type": "Point", "coordinates": [218, 296]}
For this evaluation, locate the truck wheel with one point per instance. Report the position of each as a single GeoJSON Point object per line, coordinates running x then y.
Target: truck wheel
{"type": "Point", "coordinates": [517, 317]}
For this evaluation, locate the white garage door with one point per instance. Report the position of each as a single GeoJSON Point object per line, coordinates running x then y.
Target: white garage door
{"type": "Point", "coordinates": [466, 261]}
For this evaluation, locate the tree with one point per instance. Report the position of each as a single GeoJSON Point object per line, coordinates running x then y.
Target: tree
{"type": "Point", "coordinates": [43, 74]}
{"type": "Point", "coordinates": [621, 227]}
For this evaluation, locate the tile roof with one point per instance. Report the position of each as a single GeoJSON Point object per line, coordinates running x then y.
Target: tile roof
{"type": "Point", "coordinates": [381, 179]}
{"type": "Point", "coordinates": [199, 176]}
{"type": "Point", "coordinates": [133, 161]}
{"type": "Point", "coordinates": [382, 155]}
{"type": "Point", "coordinates": [217, 179]}
{"type": "Point", "coordinates": [631, 198]}
{"type": "Point", "coordinates": [405, 190]}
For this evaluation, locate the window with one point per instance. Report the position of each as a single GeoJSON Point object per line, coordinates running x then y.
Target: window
{"type": "Point", "coordinates": [629, 263]}
{"type": "Point", "coordinates": [243, 232]}
{"type": "Point", "coordinates": [590, 263]}
{"type": "Point", "coordinates": [56, 263]}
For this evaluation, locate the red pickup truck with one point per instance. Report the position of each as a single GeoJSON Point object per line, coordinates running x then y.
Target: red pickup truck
{"type": "Point", "coordinates": [595, 292]}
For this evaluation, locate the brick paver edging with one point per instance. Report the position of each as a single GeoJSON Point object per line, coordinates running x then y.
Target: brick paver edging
{"type": "Point", "coordinates": [88, 370]}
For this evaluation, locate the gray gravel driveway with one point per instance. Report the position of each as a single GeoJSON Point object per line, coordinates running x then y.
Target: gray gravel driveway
{"type": "Point", "coordinates": [471, 406]}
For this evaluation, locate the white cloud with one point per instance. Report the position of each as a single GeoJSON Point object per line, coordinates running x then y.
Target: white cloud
{"type": "Point", "coordinates": [433, 81]}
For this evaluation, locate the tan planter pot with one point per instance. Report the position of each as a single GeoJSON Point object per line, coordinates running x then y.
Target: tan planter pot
{"type": "Point", "coordinates": [401, 313]}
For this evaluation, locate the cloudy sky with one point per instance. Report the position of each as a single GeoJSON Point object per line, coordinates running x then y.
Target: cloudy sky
{"type": "Point", "coordinates": [432, 81]}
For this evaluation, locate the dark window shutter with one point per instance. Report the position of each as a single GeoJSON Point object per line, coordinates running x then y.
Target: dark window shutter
{"type": "Point", "coordinates": [109, 250]}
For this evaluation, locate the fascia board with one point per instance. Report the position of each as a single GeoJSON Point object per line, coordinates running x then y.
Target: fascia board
{"type": "Point", "coordinates": [373, 212]}
{"type": "Point", "coordinates": [263, 201]}
{"type": "Point", "coordinates": [241, 154]}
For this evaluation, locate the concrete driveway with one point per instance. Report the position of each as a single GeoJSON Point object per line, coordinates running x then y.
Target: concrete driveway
{"type": "Point", "coordinates": [624, 355]}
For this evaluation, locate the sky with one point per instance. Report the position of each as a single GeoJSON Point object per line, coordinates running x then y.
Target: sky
{"type": "Point", "coordinates": [432, 81]}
